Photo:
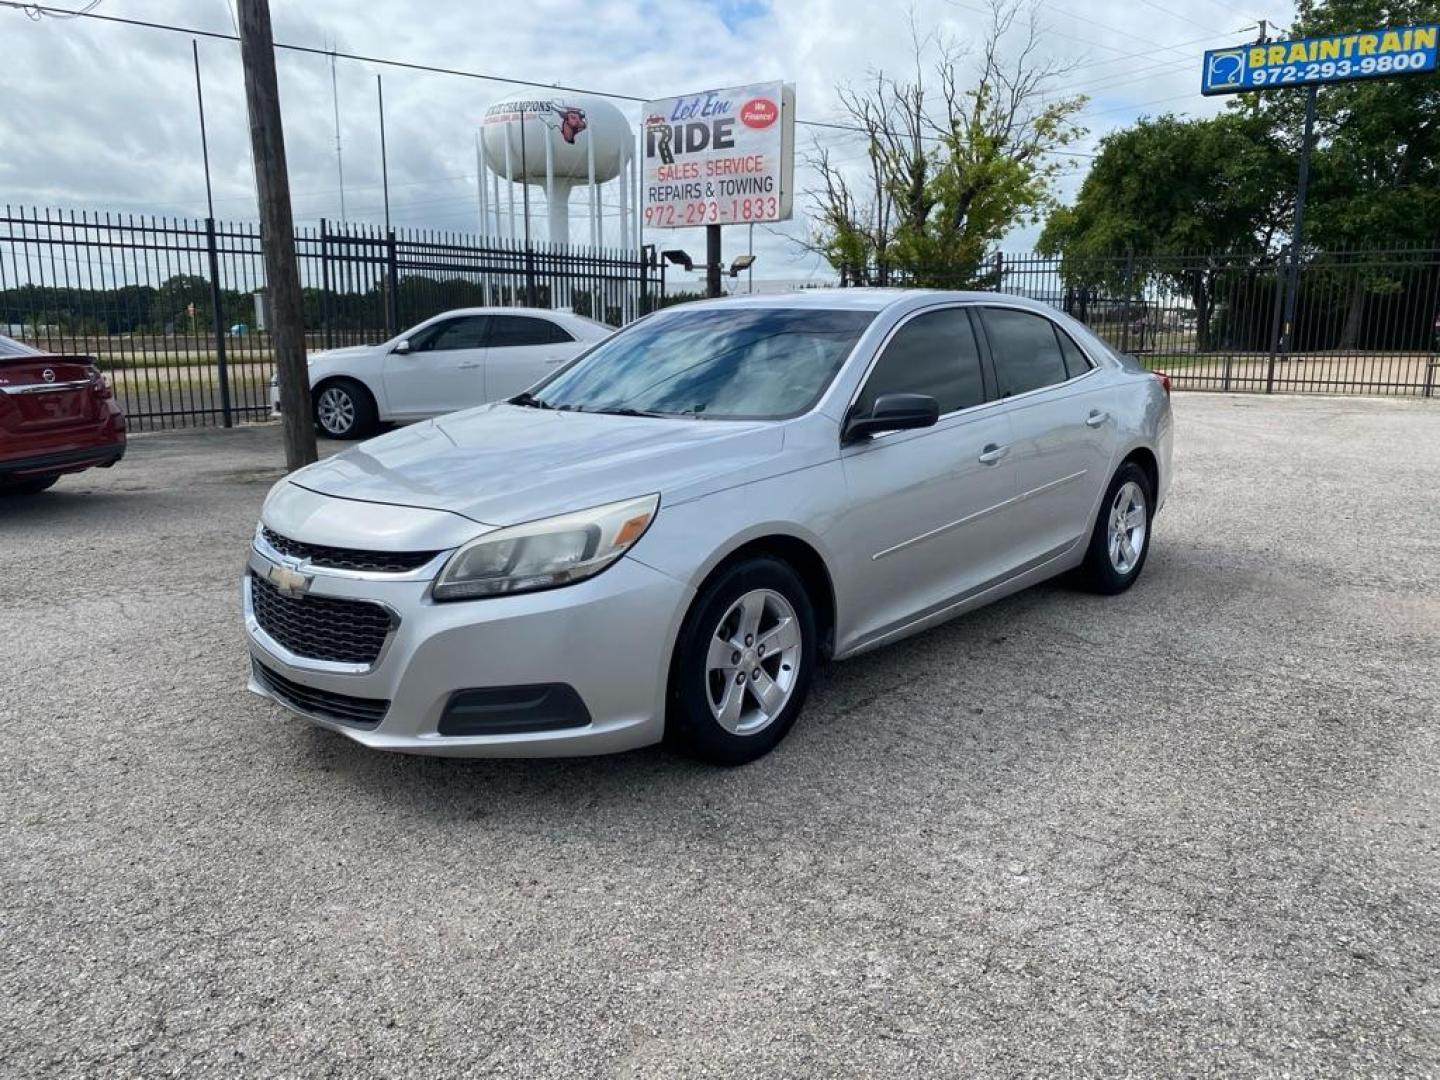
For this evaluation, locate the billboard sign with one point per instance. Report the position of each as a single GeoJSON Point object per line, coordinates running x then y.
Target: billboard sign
{"type": "Point", "coordinates": [721, 157]}
{"type": "Point", "coordinates": [1365, 54]}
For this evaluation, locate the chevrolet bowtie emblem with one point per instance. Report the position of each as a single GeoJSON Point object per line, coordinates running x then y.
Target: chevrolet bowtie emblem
{"type": "Point", "coordinates": [288, 580]}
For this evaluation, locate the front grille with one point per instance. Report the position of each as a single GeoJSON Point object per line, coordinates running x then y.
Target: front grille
{"type": "Point", "coordinates": [320, 627]}
{"type": "Point", "coordinates": [333, 558]}
{"type": "Point", "coordinates": [359, 711]}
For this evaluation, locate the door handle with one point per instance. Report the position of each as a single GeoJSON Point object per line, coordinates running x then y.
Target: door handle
{"type": "Point", "coordinates": [551, 360]}
{"type": "Point", "coordinates": [992, 453]}
{"type": "Point", "coordinates": [1096, 418]}
{"type": "Point", "coordinates": [468, 365]}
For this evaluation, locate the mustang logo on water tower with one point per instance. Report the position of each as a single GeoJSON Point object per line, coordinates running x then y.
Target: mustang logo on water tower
{"type": "Point", "coordinates": [555, 145]}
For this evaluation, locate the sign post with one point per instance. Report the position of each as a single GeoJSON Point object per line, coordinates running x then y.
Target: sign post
{"type": "Point", "coordinates": [716, 158]}
{"type": "Point", "coordinates": [1297, 234]}
{"type": "Point", "coordinates": [1311, 63]}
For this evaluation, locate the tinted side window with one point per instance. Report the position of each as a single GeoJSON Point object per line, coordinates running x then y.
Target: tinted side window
{"type": "Point", "coordinates": [507, 331]}
{"type": "Point", "coordinates": [933, 354]}
{"type": "Point", "coordinates": [1027, 355]}
{"type": "Point", "coordinates": [462, 333]}
{"type": "Point", "coordinates": [1076, 362]}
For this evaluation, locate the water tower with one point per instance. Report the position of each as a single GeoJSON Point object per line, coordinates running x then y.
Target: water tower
{"type": "Point", "coordinates": [556, 143]}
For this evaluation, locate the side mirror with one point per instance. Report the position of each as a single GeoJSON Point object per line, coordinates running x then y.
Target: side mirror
{"type": "Point", "coordinates": [892, 412]}
{"type": "Point", "coordinates": [402, 346]}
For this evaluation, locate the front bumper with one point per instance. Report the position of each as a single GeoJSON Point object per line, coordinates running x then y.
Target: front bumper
{"type": "Point", "coordinates": [608, 639]}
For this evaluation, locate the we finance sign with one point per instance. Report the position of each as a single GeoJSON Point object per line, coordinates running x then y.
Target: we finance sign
{"type": "Point", "coordinates": [720, 157]}
{"type": "Point", "coordinates": [1365, 54]}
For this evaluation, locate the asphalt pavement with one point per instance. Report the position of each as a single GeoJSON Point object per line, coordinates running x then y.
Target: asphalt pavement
{"type": "Point", "coordinates": [1193, 830]}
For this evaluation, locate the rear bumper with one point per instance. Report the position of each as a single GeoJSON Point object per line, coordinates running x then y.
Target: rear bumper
{"type": "Point", "coordinates": [100, 456]}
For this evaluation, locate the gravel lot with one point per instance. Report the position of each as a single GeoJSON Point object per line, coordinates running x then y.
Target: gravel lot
{"type": "Point", "coordinates": [1193, 830]}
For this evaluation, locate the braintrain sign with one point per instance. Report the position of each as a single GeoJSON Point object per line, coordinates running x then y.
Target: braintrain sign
{"type": "Point", "coordinates": [1365, 54]}
{"type": "Point", "coordinates": [720, 157]}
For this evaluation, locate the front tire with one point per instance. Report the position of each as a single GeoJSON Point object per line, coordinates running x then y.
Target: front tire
{"type": "Point", "coordinates": [344, 409]}
{"type": "Point", "coordinates": [1121, 540]}
{"type": "Point", "coordinates": [743, 663]}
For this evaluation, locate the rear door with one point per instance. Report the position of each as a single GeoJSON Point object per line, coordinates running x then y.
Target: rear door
{"type": "Point", "coordinates": [929, 509]}
{"type": "Point", "coordinates": [522, 350]}
{"type": "Point", "coordinates": [1064, 434]}
{"type": "Point", "coordinates": [47, 395]}
{"type": "Point", "coordinates": [443, 371]}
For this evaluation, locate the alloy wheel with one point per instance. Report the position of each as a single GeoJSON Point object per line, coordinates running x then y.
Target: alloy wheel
{"type": "Point", "coordinates": [336, 411]}
{"type": "Point", "coordinates": [753, 662]}
{"type": "Point", "coordinates": [1126, 535]}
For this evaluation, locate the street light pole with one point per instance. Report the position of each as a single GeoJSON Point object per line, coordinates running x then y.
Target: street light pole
{"type": "Point", "coordinates": [712, 260]}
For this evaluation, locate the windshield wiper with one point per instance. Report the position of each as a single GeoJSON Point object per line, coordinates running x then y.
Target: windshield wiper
{"type": "Point", "coordinates": [627, 411]}
{"type": "Point", "coordinates": [530, 401]}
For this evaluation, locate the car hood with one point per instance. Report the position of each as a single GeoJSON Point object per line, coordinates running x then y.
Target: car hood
{"type": "Point", "coordinates": [502, 464]}
{"type": "Point", "coordinates": [326, 355]}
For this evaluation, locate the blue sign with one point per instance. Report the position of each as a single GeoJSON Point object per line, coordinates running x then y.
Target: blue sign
{"type": "Point", "coordinates": [1365, 54]}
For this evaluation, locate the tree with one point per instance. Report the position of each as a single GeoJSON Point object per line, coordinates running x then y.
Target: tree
{"type": "Point", "coordinates": [1375, 177]}
{"type": "Point", "coordinates": [950, 165]}
{"type": "Point", "coordinates": [1218, 188]}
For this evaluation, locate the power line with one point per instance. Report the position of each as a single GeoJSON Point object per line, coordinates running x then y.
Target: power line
{"type": "Point", "coordinates": [482, 76]}
{"type": "Point", "coordinates": [1173, 14]}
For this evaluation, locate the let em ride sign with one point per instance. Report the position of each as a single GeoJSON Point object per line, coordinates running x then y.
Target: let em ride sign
{"type": "Point", "coordinates": [720, 157]}
{"type": "Point", "coordinates": [1365, 54]}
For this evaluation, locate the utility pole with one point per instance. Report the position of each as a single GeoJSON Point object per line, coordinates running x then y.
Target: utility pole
{"type": "Point", "coordinates": [272, 183]}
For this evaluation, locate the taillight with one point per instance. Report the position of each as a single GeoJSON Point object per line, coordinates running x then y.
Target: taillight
{"type": "Point", "coordinates": [99, 384]}
{"type": "Point", "coordinates": [1164, 380]}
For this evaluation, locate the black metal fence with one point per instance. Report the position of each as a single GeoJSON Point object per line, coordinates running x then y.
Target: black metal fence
{"type": "Point", "coordinates": [174, 310]}
{"type": "Point", "coordinates": [1366, 322]}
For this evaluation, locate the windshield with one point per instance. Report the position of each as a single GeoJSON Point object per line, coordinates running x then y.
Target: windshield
{"type": "Point", "coordinates": [727, 364]}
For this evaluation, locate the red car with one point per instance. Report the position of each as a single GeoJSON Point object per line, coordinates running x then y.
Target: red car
{"type": "Point", "coordinates": [57, 415]}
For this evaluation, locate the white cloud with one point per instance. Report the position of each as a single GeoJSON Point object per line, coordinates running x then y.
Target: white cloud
{"type": "Point", "coordinates": [102, 116]}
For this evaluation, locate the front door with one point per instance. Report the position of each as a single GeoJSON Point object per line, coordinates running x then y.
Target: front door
{"type": "Point", "coordinates": [929, 518]}
{"type": "Point", "coordinates": [444, 369]}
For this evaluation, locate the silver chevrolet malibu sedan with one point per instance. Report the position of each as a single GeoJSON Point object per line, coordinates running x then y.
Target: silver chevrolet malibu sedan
{"type": "Point", "coordinates": [667, 536]}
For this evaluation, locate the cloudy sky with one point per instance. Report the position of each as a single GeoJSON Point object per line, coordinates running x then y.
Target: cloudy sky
{"type": "Point", "coordinates": [102, 116]}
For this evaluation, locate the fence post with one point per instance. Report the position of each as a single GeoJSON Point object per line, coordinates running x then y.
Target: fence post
{"type": "Point", "coordinates": [328, 335]}
{"type": "Point", "coordinates": [1125, 305]}
{"type": "Point", "coordinates": [392, 285]}
{"type": "Point", "coordinates": [226, 417]}
{"type": "Point", "coordinates": [530, 278]}
{"type": "Point", "coordinates": [999, 272]}
{"type": "Point", "coordinates": [1275, 330]}
{"type": "Point", "coordinates": [644, 281]}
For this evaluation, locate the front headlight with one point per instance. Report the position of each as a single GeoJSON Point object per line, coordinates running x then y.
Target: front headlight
{"type": "Point", "coordinates": [547, 553]}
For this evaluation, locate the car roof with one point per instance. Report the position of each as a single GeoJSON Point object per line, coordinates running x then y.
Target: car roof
{"type": "Point", "coordinates": [864, 299]}
{"type": "Point", "coordinates": [544, 313]}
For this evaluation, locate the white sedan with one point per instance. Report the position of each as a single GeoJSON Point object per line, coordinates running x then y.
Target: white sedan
{"type": "Point", "coordinates": [453, 361]}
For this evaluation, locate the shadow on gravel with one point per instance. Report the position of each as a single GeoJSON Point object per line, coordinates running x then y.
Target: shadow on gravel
{"type": "Point", "coordinates": [824, 747]}
{"type": "Point", "coordinates": [59, 505]}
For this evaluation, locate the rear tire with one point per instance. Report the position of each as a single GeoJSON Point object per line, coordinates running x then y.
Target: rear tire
{"type": "Point", "coordinates": [31, 486]}
{"type": "Point", "coordinates": [743, 663]}
{"type": "Point", "coordinates": [1121, 540]}
{"type": "Point", "coordinates": [345, 409]}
